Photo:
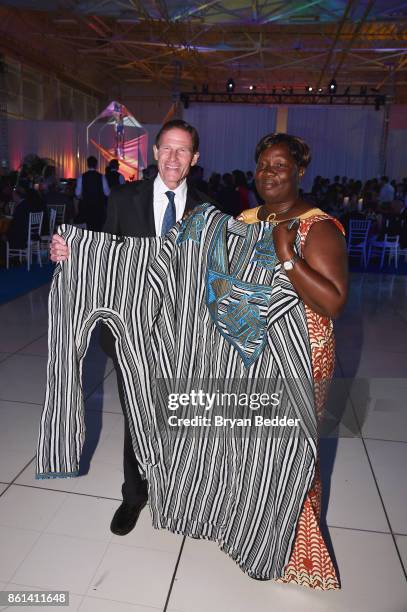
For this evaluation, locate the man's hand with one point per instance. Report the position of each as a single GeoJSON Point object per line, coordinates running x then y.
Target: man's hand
{"type": "Point", "coordinates": [58, 250]}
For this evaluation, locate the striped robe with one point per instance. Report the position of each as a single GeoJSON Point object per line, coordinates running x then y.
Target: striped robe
{"type": "Point", "coordinates": [206, 307]}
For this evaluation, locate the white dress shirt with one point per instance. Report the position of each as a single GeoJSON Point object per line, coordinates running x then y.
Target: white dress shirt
{"type": "Point", "coordinates": [78, 190]}
{"type": "Point", "coordinates": [161, 201]}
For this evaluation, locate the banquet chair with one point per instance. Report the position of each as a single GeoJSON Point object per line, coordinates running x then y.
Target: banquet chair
{"type": "Point", "coordinates": [46, 238]}
{"type": "Point", "coordinates": [60, 212]}
{"type": "Point", "coordinates": [357, 239]}
{"type": "Point", "coordinates": [388, 246]}
{"type": "Point", "coordinates": [33, 242]}
{"type": "Point", "coordinates": [403, 253]}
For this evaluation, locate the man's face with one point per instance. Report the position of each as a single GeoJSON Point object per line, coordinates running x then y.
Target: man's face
{"type": "Point", "coordinates": [174, 156]}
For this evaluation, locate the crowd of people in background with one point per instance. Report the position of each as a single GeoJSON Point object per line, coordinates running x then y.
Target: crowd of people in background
{"type": "Point", "coordinates": [382, 200]}
{"type": "Point", "coordinates": [375, 193]}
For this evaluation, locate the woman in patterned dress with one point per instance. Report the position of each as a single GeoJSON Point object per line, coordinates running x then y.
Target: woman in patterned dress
{"type": "Point", "coordinates": [318, 274]}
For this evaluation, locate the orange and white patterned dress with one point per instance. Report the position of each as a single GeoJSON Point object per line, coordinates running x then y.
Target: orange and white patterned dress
{"type": "Point", "coordinates": [310, 562]}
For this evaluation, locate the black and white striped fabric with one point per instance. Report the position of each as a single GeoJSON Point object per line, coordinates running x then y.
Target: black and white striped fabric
{"type": "Point", "coordinates": [103, 279]}
{"type": "Point", "coordinates": [199, 307]}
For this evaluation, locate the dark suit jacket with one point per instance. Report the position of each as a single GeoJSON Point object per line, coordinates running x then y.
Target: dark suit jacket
{"type": "Point", "coordinates": [130, 212]}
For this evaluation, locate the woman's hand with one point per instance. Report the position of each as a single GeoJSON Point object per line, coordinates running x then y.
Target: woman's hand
{"type": "Point", "coordinates": [187, 214]}
{"type": "Point", "coordinates": [284, 239]}
{"type": "Point", "coordinates": [58, 250]}
{"type": "Point", "coordinates": [320, 276]}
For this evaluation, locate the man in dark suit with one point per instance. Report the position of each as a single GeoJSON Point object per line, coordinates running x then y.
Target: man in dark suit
{"type": "Point", "coordinates": [143, 209]}
{"type": "Point", "coordinates": [92, 190]}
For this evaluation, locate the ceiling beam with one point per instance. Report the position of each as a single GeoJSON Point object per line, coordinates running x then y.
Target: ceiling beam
{"type": "Point", "coordinates": [295, 62]}
{"type": "Point", "coordinates": [255, 10]}
{"type": "Point", "coordinates": [223, 10]}
{"type": "Point", "coordinates": [355, 35]}
{"type": "Point", "coordinates": [234, 58]}
{"type": "Point", "coordinates": [162, 9]}
{"type": "Point", "coordinates": [276, 9]}
{"type": "Point", "coordinates": [391, 71]}
{"type": "Point", "coordinates": [292, 11]}
{"type": "Point", "coordinates": [191, 11]}
{"type": "Point", "coordinates": [335, 42]}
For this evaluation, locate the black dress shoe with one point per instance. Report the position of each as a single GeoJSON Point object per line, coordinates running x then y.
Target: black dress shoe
{"type": "Point", "coordinates": [125, 517]}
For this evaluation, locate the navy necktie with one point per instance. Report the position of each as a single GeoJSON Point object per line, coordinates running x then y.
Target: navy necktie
{"type": "Point", "coordinates": [170, 218]}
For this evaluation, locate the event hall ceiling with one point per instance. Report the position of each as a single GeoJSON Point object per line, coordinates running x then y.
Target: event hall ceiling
{"type": "Point", "coordinates": [184, 44]}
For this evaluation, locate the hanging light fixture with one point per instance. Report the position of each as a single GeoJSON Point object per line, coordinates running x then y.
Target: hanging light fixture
{"type": "Point", "coordinates": [333, 86]}
{"type": "Point", "coordinates": [230, 86]}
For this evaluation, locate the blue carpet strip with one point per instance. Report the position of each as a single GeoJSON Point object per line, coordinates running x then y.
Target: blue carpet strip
{"type": "Point", "coordinates": [17, 281]}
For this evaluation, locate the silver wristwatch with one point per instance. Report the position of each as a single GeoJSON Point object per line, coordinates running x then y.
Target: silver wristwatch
{"type": "Point", "coordinates": [289, 263]}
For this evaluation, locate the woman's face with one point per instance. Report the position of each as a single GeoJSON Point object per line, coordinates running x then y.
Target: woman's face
{"type": "Point", "coordinates": [277, 175]}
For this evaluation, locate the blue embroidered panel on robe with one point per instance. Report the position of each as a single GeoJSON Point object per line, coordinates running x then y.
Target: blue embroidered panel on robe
{"type": "Point", "coordinates": [239, 311]}
{"type": "Point", "coordinates": [191, 228]}
{"type": "Point", "coordinates": [264, 251]}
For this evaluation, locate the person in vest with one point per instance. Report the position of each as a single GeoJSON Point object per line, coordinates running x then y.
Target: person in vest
{"type": "Point", "coordinates": [113, 176]}
{"type": "Point", "coordinates": [93, 190]}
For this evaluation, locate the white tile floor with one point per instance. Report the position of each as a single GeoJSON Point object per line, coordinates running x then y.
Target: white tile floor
{"type": "Point", "coordinates": [54, 534]}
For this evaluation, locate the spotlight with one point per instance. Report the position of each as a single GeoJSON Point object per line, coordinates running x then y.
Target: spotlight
{"type": "Point", "coordinates": [332, 86]}
{"type": "Point", "coordinates": [252, 87]}
{"type": "Point", "coordinates": [309, 88]}
{"type": "Point", "coordinates": [283, 89]}
{"type": "Point", "coordinates": [230, 86]}
{"type": "Point", "coordinates": [320, 90]}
